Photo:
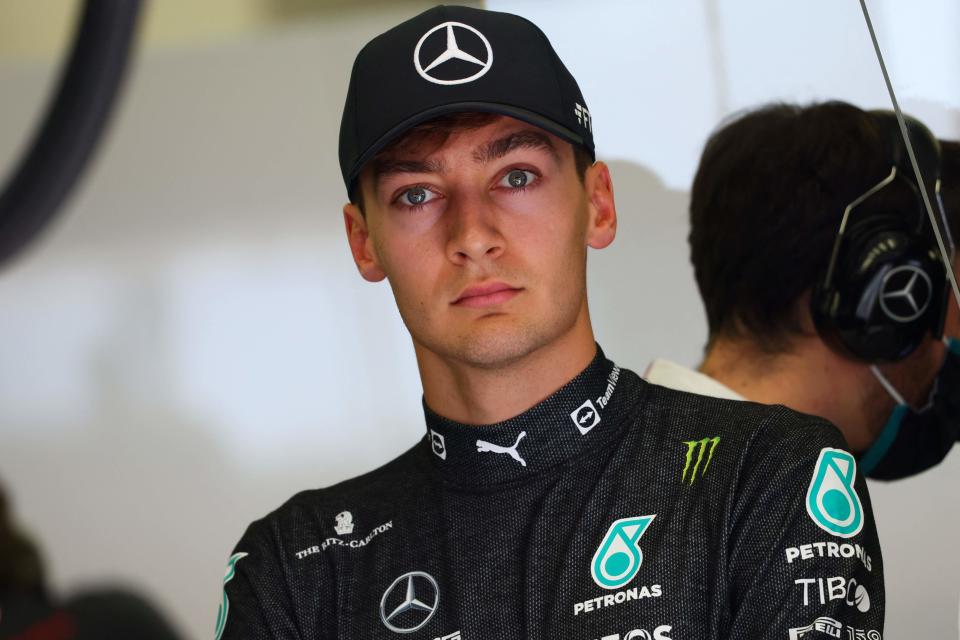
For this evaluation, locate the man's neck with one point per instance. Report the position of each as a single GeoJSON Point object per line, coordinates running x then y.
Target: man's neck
{"type": "Point", "coordinates": [810, 378]}
{"type": "Point", "coordinates": [476, 395]}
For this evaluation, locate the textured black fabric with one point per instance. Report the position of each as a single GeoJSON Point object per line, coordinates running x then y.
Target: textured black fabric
{"type": "Point", "coordinates": [508, 528]}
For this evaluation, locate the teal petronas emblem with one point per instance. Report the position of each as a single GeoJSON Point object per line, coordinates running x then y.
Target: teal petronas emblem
{"type": "Point", "coordinates": [225, 603]}
{"type": "Point", "coordinates": [832, 500]}
{"type": "Point", "coordinates": [618, 558]}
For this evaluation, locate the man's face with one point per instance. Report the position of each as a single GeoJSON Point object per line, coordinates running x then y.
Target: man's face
{"type": "Point", "coordinates": [483, 239]}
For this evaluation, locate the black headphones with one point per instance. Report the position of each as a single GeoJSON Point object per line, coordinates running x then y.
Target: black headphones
{"type": "Point", "coordinates": [885, 287]}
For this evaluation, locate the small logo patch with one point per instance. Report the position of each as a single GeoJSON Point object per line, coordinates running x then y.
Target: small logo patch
{"type": "Point", "coordinates": [832, 500]}
{"type": "Point", "coordinates": [585, 417]}
{"type": "Point", "coordinates": [696, 450]}
{"type": "Point", "coordinates": [409, 602]}
{"type": "Point", "coordinates": [463, 66]}
{"type": "Point", "coordinates": [438, 444]}
{"type": "Point", "coordinates": [618, 558]}
{"type": "Point", "coordinates": [583, 116]}
{"type": "Point", "coordinates": [344, 523]}
{"type": "Point", "coordinates": [483, 447]}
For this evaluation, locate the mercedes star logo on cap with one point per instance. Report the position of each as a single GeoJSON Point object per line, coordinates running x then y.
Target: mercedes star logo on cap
{"type": "Point", "coordinates": [905, 293]}
{"type": "Point", "coordinates": [431, 66]}
{"type": "Point", "coordinates": [411, 613]}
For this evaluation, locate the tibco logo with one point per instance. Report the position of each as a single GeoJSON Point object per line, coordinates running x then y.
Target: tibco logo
{"type": "Point", "coordinates": [660, 633]}
{"type": "Point", "coordinates": [849, 591]}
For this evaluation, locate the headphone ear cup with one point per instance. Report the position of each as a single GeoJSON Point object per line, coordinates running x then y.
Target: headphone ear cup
{"type": "Point", "coordinates": [834, 306]}
{"type": "Point", "coordinates": [888, 286]}
{"type": "Point", "coordinates": [886, 294]}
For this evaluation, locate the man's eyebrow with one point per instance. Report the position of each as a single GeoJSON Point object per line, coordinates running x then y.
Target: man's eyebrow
{"type": "Point", "coordinates": [521, 139]}
{"type": "Point", "coordinates": [383, 167]}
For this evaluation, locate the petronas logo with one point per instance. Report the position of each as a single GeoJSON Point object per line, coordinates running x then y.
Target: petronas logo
{"type": "Point", "coordinates": [618, 558]}
{"type": "Point", "coordinates": [832, 500]}
{"type": "Point", "coordinates": [697, 450]}
{"type": "Point", "coordinates": [225, 604]}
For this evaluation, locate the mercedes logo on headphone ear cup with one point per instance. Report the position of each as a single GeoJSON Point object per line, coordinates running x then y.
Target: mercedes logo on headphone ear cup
{"type": "Point", "coordinates": [905, 293]}
{"type": "Point", "coordinates": [409, 602]}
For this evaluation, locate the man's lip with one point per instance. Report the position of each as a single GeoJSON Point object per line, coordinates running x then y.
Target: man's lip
{"type": "Point", "coordinates": [486, 294]}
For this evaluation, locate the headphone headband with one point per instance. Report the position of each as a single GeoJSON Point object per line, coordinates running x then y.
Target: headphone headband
{"type": "Point", "coordinates": [926, 147]}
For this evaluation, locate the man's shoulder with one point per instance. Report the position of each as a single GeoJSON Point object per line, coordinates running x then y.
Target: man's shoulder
{"type": "Point", "coordinates": [764, 424]}
{"type": "Point", "coordinates": [379, 484]}
{"type": "Point", "coordinates": [356, 504]}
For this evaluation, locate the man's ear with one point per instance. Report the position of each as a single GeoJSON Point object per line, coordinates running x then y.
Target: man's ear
{"type": "Point", "coordinates": [602, 210]}
{"type": "Point", "coordinates": [361, 245]}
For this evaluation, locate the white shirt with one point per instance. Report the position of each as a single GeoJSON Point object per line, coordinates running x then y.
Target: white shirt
{"type": "Point", "coordinates": [676, 376]}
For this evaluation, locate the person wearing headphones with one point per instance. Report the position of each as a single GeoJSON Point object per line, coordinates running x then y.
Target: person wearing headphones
{"type": "Point", "coordinates": [553, 494]}
{"type": "Point", "coordinates": [822, 279]}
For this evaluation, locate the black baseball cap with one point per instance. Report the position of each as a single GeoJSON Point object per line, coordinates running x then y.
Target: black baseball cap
{"type": "Point", "coordinates": [454, 59]}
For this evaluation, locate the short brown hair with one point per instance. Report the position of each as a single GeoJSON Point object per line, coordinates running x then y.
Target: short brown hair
{"type": "Point", "coordinates": [765, 208]}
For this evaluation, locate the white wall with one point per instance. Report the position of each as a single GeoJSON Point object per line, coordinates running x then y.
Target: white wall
{"type": "Point", "coordinates": [191, 344]}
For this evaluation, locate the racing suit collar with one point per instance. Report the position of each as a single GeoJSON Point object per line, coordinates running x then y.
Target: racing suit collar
{"type": "Point", "coordinates": [583, 414]}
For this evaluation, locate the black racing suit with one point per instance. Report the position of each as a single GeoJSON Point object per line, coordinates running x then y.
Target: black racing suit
{"type": "Point", "coordinates": [615, 509]}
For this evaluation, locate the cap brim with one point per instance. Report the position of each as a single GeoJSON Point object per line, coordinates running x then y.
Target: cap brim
{"type": "Point", "coordinates": [462, 107]}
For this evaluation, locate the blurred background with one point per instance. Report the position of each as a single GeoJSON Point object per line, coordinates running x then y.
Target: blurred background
{"type": "Point", "coordinates": [189, 344]}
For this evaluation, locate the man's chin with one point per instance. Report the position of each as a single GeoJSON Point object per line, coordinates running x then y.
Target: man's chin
{"type": "Point", "coordinates": [492, 346]}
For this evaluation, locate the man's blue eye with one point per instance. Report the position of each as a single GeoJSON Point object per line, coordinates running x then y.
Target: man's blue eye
{"type": "Point", "coordinates": [415, 196]}
{"type": "Point", "coordinates": [517, 179]}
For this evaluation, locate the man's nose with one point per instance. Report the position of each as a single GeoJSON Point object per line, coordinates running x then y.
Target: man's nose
{"type": "Point", "coordinates": [474, 231]}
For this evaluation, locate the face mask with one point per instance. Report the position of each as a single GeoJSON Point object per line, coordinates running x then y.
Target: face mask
{"type": "Point", "coordinates": [913, 440]}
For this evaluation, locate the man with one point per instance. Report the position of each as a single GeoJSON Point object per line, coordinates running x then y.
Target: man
{"type": "Point", "coordinates": [554, 495]}
{"type": "Point", "coordinates": [766, 206]}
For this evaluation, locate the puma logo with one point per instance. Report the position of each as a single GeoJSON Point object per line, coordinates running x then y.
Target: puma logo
{"type": "Point", "coordinates": [483, 445]}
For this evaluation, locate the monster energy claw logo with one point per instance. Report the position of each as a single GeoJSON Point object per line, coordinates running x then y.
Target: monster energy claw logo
{"type": "Point", "coordinates": [225, 604]}
{"type": "Point", "coordinates": [832, 500]}
{"type": "Point", "coordinates": [702, 445]}
{"type": "Point", "coordinates": [618, 558]}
